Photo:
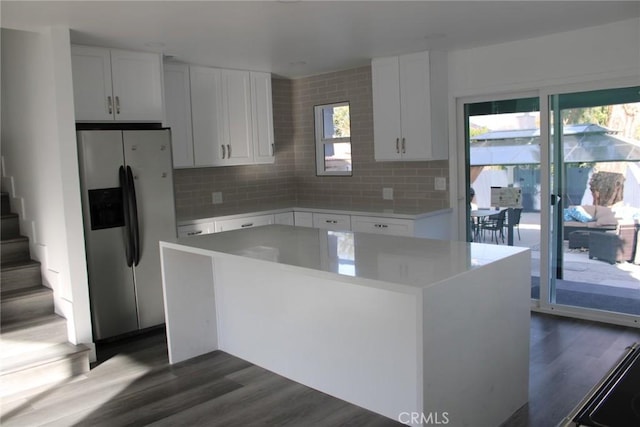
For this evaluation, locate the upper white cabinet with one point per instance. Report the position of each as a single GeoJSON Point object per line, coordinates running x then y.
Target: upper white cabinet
{"type": "Point", "coordinates": [237, 131]}
{"type": "Point", "coordinates": [230, 114]}
{"type": "Point", "coordinates": [111, 84]}
{"type": "Point", "coordinates": [262, 115]}
{"type": "Point", "coordinates": [206, 115]}
{"type": "Point", "coordinates": [410, 107]}
{"type": "Point", "coordinates": [178, 110]}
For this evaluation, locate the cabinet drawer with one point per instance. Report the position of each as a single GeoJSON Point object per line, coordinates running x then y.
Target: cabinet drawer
{"type": "Point", "coordinates": [391, 226]}
{"type": "Point", "coordinates": [247, 222]}
{"type": "Point", "coordinates": [195, 229]}
{"type": "Point", "coordinates": [332, 221]}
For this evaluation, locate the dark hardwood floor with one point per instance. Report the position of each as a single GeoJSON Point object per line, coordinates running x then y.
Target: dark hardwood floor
{"type": "Point", "coordinates": [132, 384]}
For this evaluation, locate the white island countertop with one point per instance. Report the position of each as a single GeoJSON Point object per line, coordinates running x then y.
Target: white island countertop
{"type": "Point", "coordinates": [401, 260]}
{"type": "Point", "coordinates": [397, 325]}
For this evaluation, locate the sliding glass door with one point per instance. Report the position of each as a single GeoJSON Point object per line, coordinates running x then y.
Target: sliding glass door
{"type": "Point", "coordinates": [503, 150]}
{"type": "Point", "coordinates": [595, 202]}
{"type": "Point", "coordinates": [575, 155]}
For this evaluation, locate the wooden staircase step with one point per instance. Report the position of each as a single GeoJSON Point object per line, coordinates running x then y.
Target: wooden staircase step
{"type": "Point", "coordinates": [9, 226]}
{"type": "Point", "coordinates": [32, 335]}
{"type": "Point", "coordinates": [20, 275]}
{"type": "Point", "coordinates": [14, 250]}
{"type": "Point", "coordinates": [6, 204]}
{"type": "Point", "coordinates": [49, 365]}
{"type": "Point", "coordinates": [22, 304]}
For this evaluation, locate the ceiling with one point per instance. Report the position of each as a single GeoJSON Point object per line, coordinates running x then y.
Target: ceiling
{"type": "Point", "coordinates": [299, 38]}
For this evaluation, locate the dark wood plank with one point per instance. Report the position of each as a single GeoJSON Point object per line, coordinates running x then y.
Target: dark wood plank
{"type": "Point", "coordinates": [133, 384]}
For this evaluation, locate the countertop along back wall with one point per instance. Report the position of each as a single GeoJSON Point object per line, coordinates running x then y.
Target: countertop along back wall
{"type": "Point", "coordinates": [292, 178]}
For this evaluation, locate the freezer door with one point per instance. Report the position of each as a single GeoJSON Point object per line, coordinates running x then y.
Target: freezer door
{"type": "Point", "coordinates": [148, 153]}
{"type": "Point", "coordinates": [113, 305]}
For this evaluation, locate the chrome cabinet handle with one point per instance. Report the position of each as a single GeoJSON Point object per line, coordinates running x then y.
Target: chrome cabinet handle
{"type": "Point", "coordinates": [224, 152]}
{"type": "Point", "coordinates": [403, 150]}
{"type": "Point", "coordinates": [381, 225]}
{"type": "Point", "coordinates": [249, 224]}
{"type": "Point", "coordinates": [193, 233]}
{"type": "Point", "coordinates": [398, 145]}
{"type": "Point", "coordinates": [117, 105]}
{"type": "Point", "coordinates": [229, 150]}
{"type": "Point", "coordinates": [331, 221]}
{"type": "Point", "coordinates": [273, 149]}
{"type": "Point", "coordinates": [110, 104]}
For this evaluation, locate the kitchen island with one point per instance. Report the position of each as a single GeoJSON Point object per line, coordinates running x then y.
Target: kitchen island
{"type": "Point", "coordinates": [412, 329]}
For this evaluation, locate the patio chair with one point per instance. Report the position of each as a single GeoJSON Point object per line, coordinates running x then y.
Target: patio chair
{"type": "Point", "coordinates": [495, 225]}
{"type": "Point", "coordinates": [515, 218]}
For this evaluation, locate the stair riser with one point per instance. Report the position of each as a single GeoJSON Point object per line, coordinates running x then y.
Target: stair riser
{"type": "Point", "coordinates": [15, 251]}
{"type": "Point", "coordinates": [49, 373]}
{"type": "Point", "coordinates": [27, 307]}
{"type": "Point", "coordinates": [20, 278]}
{"type": "Point", "coordinates": [6, 206]}
{"type": "Point", "coordinates": [10, 227]}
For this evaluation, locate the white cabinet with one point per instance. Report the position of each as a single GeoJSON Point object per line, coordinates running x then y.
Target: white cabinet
{"type": "Point", "coordinates": [111, 84]}
{"type": "Point", "coordinates": [302, 219]}
{"type": "Point", "coordinates": [410, 106]}
{"type": "Point", "coordinates": [390, 226]}
{"type": "Point", "coordinates": [231, 115]}
{"type": "Point", "coordinates": [190, 230]}
{"type": "Point", "coordinates": [245, 222]}
{"type": "Point", "coordinates": [262, 118]}
{"type": "Point", "coordinates": [284, 218]}
{"type": "Point", "coordinates": [178, 113]}
{"type": "Point", "coordinates": [236, 126]}
{"type": "Point", "coordinates": [206, 115]}
{"type": "Point", "coordinates": [328, 221]}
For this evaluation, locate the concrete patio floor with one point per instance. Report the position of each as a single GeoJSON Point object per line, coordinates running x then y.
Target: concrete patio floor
{"type": "Point", "coordinates": [577, 265]}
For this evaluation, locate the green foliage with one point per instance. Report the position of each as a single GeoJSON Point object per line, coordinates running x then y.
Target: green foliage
{"type": "Point", "coordinates": [593, 115]}
{"type": "Point", "coordinates": [341, 121]}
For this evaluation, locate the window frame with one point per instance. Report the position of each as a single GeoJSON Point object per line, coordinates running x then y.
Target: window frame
{"type": "Point", "coordinates": [321, 142]}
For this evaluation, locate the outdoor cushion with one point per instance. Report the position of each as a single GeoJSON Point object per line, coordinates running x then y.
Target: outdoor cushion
{"type": "Point", "coordinates": [578, 213]}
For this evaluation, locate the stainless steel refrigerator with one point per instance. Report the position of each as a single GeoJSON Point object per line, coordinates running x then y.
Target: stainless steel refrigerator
{"type": "Point", "coordinates": [127, 200]}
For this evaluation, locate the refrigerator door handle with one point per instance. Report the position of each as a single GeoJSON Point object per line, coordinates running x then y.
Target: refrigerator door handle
{"type": "Point", "coordinates": [133, 206]}
{"type": "Point", "coordinates": [124, 186]}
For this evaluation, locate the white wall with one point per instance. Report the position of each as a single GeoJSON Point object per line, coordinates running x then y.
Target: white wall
{"type": "Point", "coordinates": [589, 55]}
{"type": "Point", "coordinates": [40, 167]}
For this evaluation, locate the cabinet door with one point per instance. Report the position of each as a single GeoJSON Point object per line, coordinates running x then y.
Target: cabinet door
{"type": "Point", "coordinates": [263, 143]}
{"type": "Point", "coordinates": [137, 86]}
{"type": "Point", "coordinates": [237, 133]}
{"type": "Point", "coordinates": [178, 109]}
{"type": "Point", "coordinates": [386, 108]}
{"type": "Point", "coordinates": [415, 106]}
{"type": "Point", "coordinates": [206, 115]}
{"type": "Point", "coordinates": [303, 219]}
{"type": "Point", "coordinates": [284, 218]}
{"type": "Point", "coordinates": [92, 93]}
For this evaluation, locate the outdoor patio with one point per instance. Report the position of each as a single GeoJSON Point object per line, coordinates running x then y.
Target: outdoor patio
{"type": "Point", "coordinates": [587, 282]}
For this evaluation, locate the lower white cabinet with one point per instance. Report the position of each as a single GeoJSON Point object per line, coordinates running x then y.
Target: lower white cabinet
{"type": "Point", "coordinates": [303, 219]}
{"type": "Point", "coordinates": [284, 218]}
{"type": "Point", "coordinates": [390, 226]}
{"type": "Point", "coordinates": [246, 222]}
{"type": "Point", "coordinates": [327, 221]}
{"type": "Point", "coordinates": [190, 230]}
